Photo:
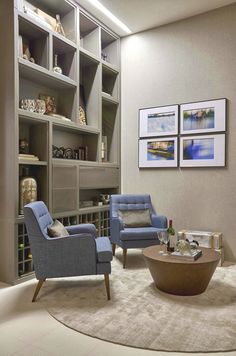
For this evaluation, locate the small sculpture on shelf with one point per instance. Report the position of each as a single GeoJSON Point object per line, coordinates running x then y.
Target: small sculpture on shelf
{"type": "Point", "coordinates": [68, 153]}
{"type": "Point", "coordinates": [50, 103]}
{"type": "Point", "coordinates": [33, 105]}
{"type": "Point", "coordinates": [82, 118]}
{"type": "Point", "coordinates": [59, 28]}
{"type": "Point", "coordinates": [23, 146]}
{"type": "Point", "coordinates": [27, 189]}
{"type": "Point", "coordinates": [56, 68]}
{"type": "Point", "coordinates": [104, 56]}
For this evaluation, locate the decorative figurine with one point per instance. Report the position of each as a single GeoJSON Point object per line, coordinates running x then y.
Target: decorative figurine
{"type": "Point", "coordinates": [56, 68]}
{"type": "Point", "coordinates": [23, 146]}
{"type": "Point", "coordinates": [28, 190]}
{"type": "Point", "coordinates": [82, 118]}
{"type": "Point", "coordinates": [59, 28]}
{"type": "Point", "coordinates": [40, 106]}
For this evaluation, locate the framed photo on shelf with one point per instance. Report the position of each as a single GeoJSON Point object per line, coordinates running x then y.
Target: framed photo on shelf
{"type": "Point", "coordinates": [202, 117]}
{"type": "Point", "coordinates": [202, 151]}
{"type": "Point", "coordinates": [158, 121]}
{"type": "Point", "coordinates": [158, 152]}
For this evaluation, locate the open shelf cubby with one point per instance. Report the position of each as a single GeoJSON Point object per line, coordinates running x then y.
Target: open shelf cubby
{"type": "Point", "coordinates": [66, 57]}
{"type": "Point", "coordinates": [64, 98]}
{"type": "Point", "coordinates": [89, 89]}
{"type": "Point", "coordinates": [89, 34]}
{"type": "Point", "coordinates": [35, 133]}
{"type": "Point", "coordinates": [109, 81]}
{"type": "Point", "coordinates": [33, 42]}
{"type": "Point", "coordinates": [109, 46]}
{"type": "Point", "coordinates": [47, 11]}
{"type": "Point", "coordinates": [110, 138]}
{"type": "Point", "coordinates": [75, 144]}
{"type": "Point", "coordinates": [90, 198]}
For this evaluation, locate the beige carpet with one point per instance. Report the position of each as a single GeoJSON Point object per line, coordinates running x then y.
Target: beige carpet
{"type": "Point", "coordinates": [139, 315]}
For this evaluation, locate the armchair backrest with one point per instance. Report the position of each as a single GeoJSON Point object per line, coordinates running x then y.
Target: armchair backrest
{"type": "Point", "coordinates": [129, 201]}
{"type": "Point", "coordinates": [37, 219]}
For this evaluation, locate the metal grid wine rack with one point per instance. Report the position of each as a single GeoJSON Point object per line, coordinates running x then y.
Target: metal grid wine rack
{"type": "Point", "coordinates": [25, 262]}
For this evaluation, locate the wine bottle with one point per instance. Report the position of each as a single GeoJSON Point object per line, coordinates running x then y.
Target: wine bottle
{"type": "Point", "coordinates": [171, 232]}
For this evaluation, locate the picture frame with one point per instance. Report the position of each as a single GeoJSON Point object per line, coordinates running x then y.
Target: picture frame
{"type": "Point", "coordinates": [158, 121]}
{"type": "Point", "coordinates": [158, 152]}
{"type": "Point", "coordinates": [202, 151]}
{"type": "Point", "coordinates": [203, 117]}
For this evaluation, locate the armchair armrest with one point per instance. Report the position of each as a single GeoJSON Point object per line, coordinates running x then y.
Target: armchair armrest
{"type": "Point", "coordinates": [104, 252]}
{"type": "Point", "coordinates": [159, 221]}
{"type": "Point", "coordinates": [116, 226]}
{"type": "Point", "coordinates": [82, 228]}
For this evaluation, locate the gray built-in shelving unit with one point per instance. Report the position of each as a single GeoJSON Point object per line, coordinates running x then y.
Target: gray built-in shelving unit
{"type": "Point", "coordinates": [63, 184]}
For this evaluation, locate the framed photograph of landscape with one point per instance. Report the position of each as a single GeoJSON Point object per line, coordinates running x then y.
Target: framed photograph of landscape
{"type": "Point", "coordinates": [158, 121]}
{"type": "Point", "coordinates": [202, 117]}
{"type": "Point", "coordinates": [202, 151]}
{"type": "Point", "coordinates": [158, 152]}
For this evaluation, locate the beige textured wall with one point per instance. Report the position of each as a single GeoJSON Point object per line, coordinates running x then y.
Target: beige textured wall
{"type": "Point", "coordinates": [190, 60]}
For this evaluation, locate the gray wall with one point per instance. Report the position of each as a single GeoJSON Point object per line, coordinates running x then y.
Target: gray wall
{"type": "Point", "coordinates": [190, 60]}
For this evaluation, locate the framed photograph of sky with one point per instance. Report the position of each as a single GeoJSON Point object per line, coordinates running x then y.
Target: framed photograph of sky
{"type": "Point", "coordinates": [158, 121]}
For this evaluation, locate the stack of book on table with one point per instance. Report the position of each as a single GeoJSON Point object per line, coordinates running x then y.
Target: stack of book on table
{"type": "Point", "coordinates": [194, 255]}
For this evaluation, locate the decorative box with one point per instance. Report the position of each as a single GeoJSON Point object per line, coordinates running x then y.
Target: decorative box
{"type": "Point", "coordinates": [204, 238]}
{"type": "Point", "coordinates": [207, 239]}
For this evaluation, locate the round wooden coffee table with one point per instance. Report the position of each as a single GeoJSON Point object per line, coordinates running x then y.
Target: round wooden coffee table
{"type": "Point", "coordinates": [181, 277]}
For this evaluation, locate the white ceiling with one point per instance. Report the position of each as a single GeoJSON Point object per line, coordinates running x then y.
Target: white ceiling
{"type": "Point", "coordinates": [141, 15]}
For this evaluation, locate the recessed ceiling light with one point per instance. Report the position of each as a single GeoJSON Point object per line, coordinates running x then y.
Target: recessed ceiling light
{"type": "Point", "coordinates": [112, 17]}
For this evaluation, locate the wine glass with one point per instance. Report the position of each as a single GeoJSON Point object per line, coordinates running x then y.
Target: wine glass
{"type": "Point", "coordinates": [160, 237]}
{"type": "Point", "coordinates": [166, 239]}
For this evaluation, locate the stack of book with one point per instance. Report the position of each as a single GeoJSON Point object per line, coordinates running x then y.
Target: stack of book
{"type": "Point", "coordinates": [194, 255]}
{"type": "Point", "coordinates": [28, 157]}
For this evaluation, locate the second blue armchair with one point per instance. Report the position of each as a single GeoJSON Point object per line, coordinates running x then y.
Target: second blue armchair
{"type": "Point", "coordinates": [133, 237]}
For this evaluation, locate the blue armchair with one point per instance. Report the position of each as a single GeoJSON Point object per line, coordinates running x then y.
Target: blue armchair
{"type": "Point", "coordinates": [78, 254]}
{"type": "Point", "coordinates": [133, 237]}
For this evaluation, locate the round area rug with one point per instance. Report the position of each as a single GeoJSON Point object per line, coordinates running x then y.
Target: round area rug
{"type": "Point", "coordinates": [139, 315]}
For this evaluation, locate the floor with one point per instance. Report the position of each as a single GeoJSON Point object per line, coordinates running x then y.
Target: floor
{"type": "Point", "coordinates": [27, 329]}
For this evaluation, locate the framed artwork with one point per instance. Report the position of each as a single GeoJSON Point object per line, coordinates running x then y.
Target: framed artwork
{"type": "Point", "coordinates": [202, 151]}
{"type": "Point", "coordinates": [202, 117]}
{"type": "Point", "coordinates": [158, 121]}
{"type": "Point", "coordinates": [158, 152]}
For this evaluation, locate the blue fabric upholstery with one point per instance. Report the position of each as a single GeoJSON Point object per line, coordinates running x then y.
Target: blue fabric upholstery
{"type": "Point", "coordinates": [75, 255]}
{"type": "Point", "coordinates": [104, 252]}
{"type": "Point", "coordinates": [134, 237]}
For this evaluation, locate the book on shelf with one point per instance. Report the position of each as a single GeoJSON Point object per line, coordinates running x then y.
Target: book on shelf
{"type": "Point", "coordinates": [28, 157]}
{"type": "Point", "coordinates": [194, 255]}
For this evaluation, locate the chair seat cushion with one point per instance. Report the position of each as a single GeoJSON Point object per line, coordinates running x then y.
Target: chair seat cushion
{"type": "Point", "coordinates": [141, 233]}
{"type": "Point", "coordinates": [104, 251]}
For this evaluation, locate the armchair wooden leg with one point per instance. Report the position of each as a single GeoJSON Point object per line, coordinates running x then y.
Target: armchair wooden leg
{"type": "Point", "coordinates": [113, 249]}
{"type": "Point", "coordinates": [124, 256]}
{"type": "Point", "coordinates": [107, 283]}
{"type": "Point", "coordinates": [37, 289]}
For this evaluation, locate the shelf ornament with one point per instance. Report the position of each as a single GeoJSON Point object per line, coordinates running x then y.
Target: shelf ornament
{"type": "Point", "coordinates": [59, 28]}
